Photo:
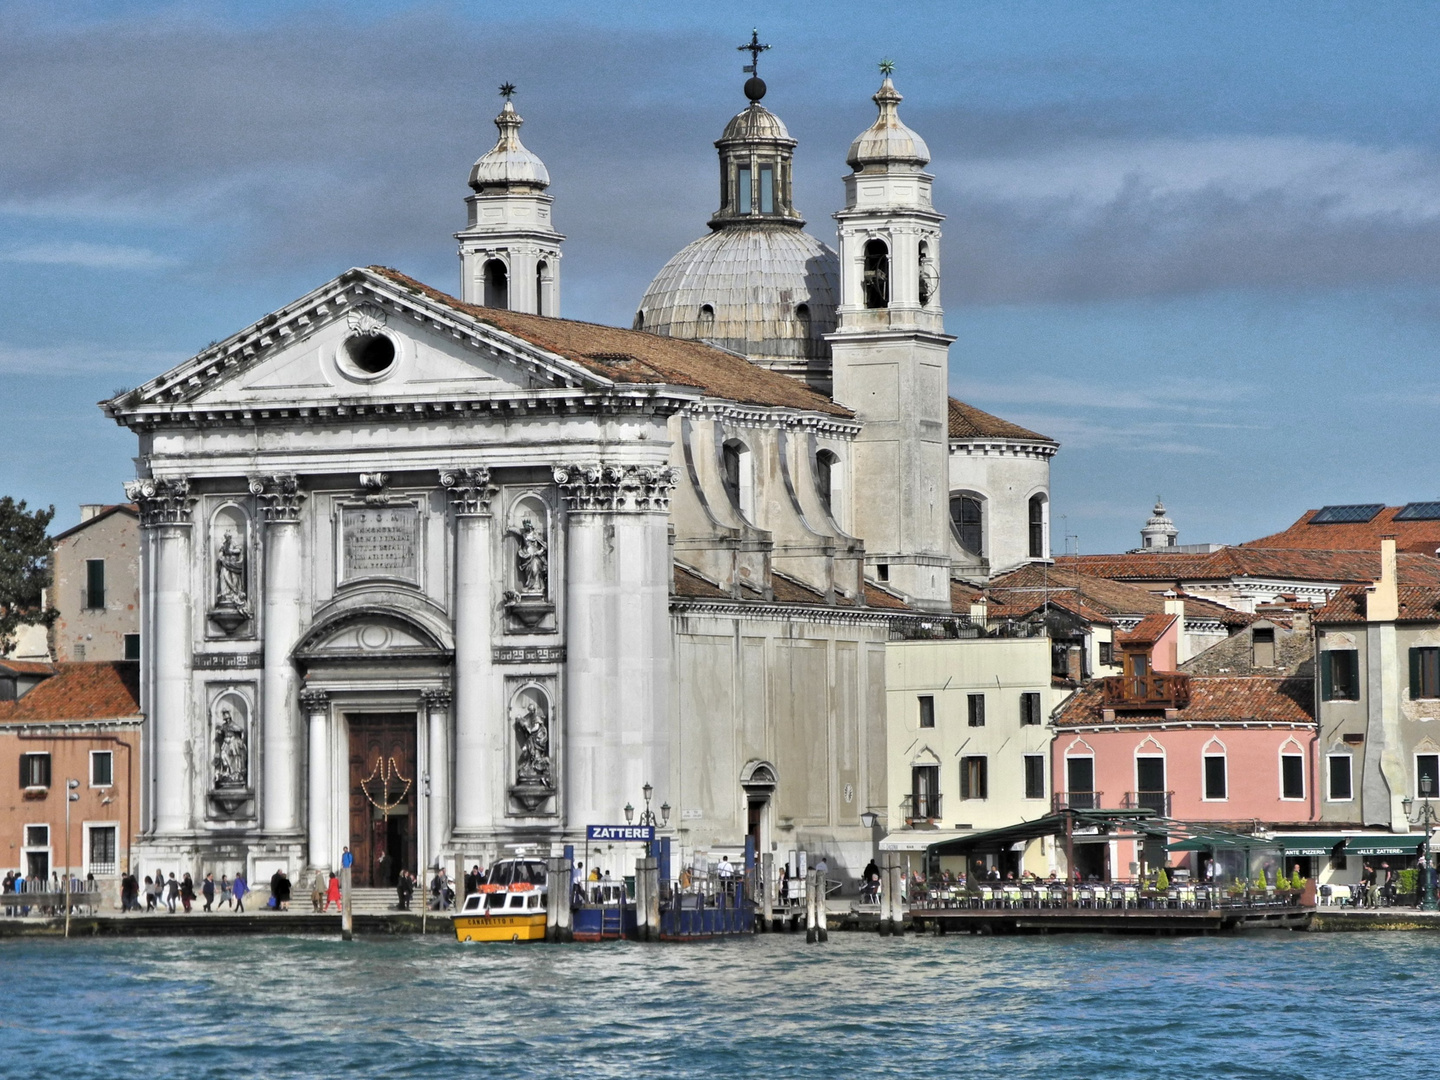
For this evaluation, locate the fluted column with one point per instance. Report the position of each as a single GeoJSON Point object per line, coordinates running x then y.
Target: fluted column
{"type": "Point", "coordinates": [437, 767]}
{"type": "Point", "coordinates": [280, 499]}
{"type": "Point", "coordinates": [316, 704]}
{"type": "Point", "coordinates": [474, 775]}
{"type": "Point", "coordinates": [165, 507]}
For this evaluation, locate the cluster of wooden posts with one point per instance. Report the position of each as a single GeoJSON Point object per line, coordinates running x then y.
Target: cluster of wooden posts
{"type": "Point", "coordinates": [892, 894]}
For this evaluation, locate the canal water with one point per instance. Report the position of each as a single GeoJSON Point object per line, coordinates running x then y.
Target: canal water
{"type": "Point", "coordinates": [1267, 1005]}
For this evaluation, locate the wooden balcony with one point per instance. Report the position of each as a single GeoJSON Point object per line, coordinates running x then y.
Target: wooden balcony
{"type": "Point", "coordinates": [1157, 690]}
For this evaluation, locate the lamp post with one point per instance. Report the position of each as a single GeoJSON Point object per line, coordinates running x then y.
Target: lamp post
{"type": "Point", "coordinates": [71, 796]}
{"type": "Point", "coordinates": [647, 816]}
{"type": "Point", "coordinates": [1426, 820]}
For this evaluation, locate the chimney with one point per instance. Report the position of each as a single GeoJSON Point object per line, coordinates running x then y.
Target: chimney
{"type": "Point", "coordinates": [979, 613]}
{"type": "Point", "coordinates": [1382, 600]}
{"type": "Point", "coordinates": [89, 510]}
{"type": "Point", "coordinates": [1176, 607]}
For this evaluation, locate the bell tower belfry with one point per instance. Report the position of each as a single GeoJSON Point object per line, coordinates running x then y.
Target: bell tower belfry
{"type": "Point", "coordinates": [509, 250]}
{"type": "Point", "coordinates": [890, 356]}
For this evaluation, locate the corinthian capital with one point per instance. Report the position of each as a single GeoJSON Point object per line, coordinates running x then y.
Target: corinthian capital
{"type": "Point", "coordinates": [470, 490]}
{"type": "Point", "coordinates": [615, 489]}
{"type": "Point", "coordinates": [280, 497]}
{"type": "Point", "coordinates": [161, 502]}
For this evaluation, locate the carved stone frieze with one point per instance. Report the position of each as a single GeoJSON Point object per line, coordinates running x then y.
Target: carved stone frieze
{"type": "Point", "coordinates": [280, 497]}
{"type": "Point", "coordinates": [470, 490]}
{"type": "Point", "coordinates": [610, 488]}
{"type": "Point", "coordinates": [161, 502]}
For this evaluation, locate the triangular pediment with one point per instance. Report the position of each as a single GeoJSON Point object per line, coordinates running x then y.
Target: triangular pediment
{"type": "Point", "coordinates": [360, 338]}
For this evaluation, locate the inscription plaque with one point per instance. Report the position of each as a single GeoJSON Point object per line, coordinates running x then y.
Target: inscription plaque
{"type": "Point", "coordinates": [381, 542]}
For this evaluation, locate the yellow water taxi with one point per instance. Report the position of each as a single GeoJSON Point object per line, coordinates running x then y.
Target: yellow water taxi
{"type": "Point", "coordinates": [510, 905]}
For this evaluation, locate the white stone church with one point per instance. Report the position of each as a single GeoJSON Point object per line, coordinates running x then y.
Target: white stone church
{"type": "Point", "coordinates": [428, 576]}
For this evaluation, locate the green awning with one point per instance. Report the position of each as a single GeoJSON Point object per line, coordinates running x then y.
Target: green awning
{"type": "Point", "coordinates": [1222, 842]}
{"type": "Point", "coordinates": [1380, 844]}
{"type": "Point", "coordinates": [1308, 843]}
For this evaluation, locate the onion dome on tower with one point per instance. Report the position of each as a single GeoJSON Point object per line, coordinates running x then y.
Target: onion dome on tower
{"type": "Point", "coordinates": [758, 284]}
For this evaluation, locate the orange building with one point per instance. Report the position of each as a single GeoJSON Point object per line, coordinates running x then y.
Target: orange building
{"type": "Point", "coordinates": [63, 722]}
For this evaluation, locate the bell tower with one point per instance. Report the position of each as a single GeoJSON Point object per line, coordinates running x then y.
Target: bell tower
{"type": "Point", "coordinates": [890, 356]}
{"type": "Point", "coordinates": [509, 250]}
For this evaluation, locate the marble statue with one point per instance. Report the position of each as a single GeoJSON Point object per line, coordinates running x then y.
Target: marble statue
{"type": "Point", "coordinates": [532, 558]}
{"type": "Point", "coordinates": [532, 740]}
{"type": "Point", "coordinates": [230, 574]}
{"type": "Point", "coordinates": [232, 758]}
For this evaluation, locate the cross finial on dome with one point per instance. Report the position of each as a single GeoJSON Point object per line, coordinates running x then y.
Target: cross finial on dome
{"type": "Point", "coordinates": [754, 48]}
{"type": "Point", "coordinates": [507, 90]}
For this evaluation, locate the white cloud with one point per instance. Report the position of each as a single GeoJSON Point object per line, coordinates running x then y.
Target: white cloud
{"type": "Point", "coordinates": [83, 358]}
{"type": "Point", "coordinates": [90, 256]}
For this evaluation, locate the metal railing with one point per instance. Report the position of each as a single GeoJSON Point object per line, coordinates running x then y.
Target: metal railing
{"type": "Point", "coordinates": [44, 896]}
{"type": "Point", "coordinates": [1076, 800]}
{"type": "Point", "coordinates": [1156, 801]}
{"type": "Point", "coordinates": [1117, 896]}
{"type": "Point", "coordinates": [1168, 689]}
{"type": "Point", "coordinates": [920, 806]}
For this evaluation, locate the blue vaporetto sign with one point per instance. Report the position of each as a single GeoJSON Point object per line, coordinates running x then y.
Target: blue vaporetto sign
{"type": "Point", "coordinates": [624, 833]}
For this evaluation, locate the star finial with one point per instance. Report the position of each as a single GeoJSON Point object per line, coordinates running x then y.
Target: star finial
{"type": "Point", "coordinates": [507, 90]}
{"type": "Point", "coordinates": [754, 48]}
{"type": "Point", "coordinates": [887, 68]}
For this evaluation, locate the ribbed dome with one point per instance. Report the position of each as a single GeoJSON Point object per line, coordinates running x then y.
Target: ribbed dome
{"type": "Point", "coordinates": [509, 164]}
{"type": "Point", "coordinates": [755, 122]}
{"type": "Point", "coordinates": [887, 141]}
{"type": "Point", "coordinates": [770, 291]}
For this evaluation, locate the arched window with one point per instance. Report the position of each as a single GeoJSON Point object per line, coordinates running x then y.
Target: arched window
{"type": "Point", "coordinates": [968, 514]}
{"type": "Point", "coordinates": [542, 289]}
{"type": "Point", "coordinates": [876, 279]}
{"type": "Point", "coordinates": [802, 316]}
{"type": "Point", "coordinates": [736, 470]}
{"type": "Point", "coordinates": [929, 276]}
{"type": "Point", "coordinates": [705, 325]}
{"type": "Point", "coordinates": [1037, 526]}
{"type": "Point", "coordinates": [497, 284]}
{"type": "Point", "coordinates": [827, 480]}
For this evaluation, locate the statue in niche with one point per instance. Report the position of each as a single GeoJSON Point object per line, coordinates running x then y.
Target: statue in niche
{"type": "Point", "coordinates": [532, 741]}
{"type": "Point", "coordinates": [230, 588]}
{"type": "Point", "coordinates": [232, 754]}
{"type": "Point", "coordinates": [532, 558]}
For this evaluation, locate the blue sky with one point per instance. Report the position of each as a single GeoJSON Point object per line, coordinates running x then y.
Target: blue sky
{"type": "Point", "coordinates": [1199, 243]}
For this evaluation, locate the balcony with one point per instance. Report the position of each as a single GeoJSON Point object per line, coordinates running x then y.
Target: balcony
{"type": "Point", "coordinates": [1076, 800]}
{"type": "Point", "coordinates": [1157, 690]}
{"type": "Point", "coordinates": [1158, 802]}
{"type": "Point", "coordinates": [920, 809]}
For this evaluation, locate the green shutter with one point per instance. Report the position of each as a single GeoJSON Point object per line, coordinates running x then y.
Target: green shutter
{"type": "Point", "coordinates": [1414, 674]}
{"type": "Point", "coordinates": [1327, 676]}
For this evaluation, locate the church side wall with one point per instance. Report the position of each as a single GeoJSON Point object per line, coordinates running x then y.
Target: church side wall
{"type": "Point", "coordinates": [1005, 478]}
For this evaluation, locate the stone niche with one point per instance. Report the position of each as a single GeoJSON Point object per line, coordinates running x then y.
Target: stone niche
{"type": "Point", "coordinates": [532, 766]}
{"type": "Point", "coordinates": [528, 599]}
{"type": "Point", "coordinates": [231, 584]}
{"type": "Point", "coordinates": [229, 761]}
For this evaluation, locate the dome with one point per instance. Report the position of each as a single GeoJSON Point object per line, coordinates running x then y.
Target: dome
{"type": "Point", "coordinates": [767, 291]}
{"type": "Point", "coordinates": [755, 122]}
{"type": "Point", "coordinates": [887, 141]}
{"type": "Point", "coordinates": [1159, 530]}
{"type": "Point", "coordinates": [509, 164]}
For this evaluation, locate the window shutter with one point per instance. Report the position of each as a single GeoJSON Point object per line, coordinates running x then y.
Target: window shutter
{"type": "Point", "coordinates": [964, 778]}
{"type": "Point", "coordinates": [45, 771]}
{"type": "Point", "coordinates": [1327, 676]}
{"type": "Point", "coordinates": [1352, 673]}
{"type": "Point", "coordinates": [1414, 674]}
{"type": "Point", "coordinates": [24, 770]}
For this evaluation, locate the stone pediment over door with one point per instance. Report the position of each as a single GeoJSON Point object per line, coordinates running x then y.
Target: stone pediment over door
{"type": "Point", "coordinates": [377, 625]}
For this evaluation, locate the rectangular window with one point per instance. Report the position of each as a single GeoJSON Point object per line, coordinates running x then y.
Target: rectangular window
{"type": "Point", "coordinates": [1107, 652]}
{"type": "Point", "coordinates": [1034, 776]}
{"type": "Point", "coordinates": [102, 768]}
{"type": "Point", "coordinates": [132, 646]}
{"type": "Point", "coordinates": [1292, 776]}
{"type": "Point", "coordinates": [974, 778]}
{"type": "Point", "coordinates": [975, 709]}
{"type": "Point", "coordinates": [34, 770]}
{"type": "Point", "coordinates": [1340, 675]}
{"type": "Point", "coordinates": [927, 711]}
{"type": "Point", "coordinates": [102, 848]}
{"type": "Point", "coordinates": [1262, 639]}
{"type": "Point", "coordinates": [767, 189]}
{"type": "Point", "coordinates": [745, 190]}
{"type": "Point", "coordinates": [1215, 788]}
{"type": "Point", "coordinates": [94, 583]}
{"type": "Point", "coordinates": [925, 792]}
{"type": "Point", "coordinates": [1340, 784]}
{"type": "Point", "coordinates": [37, 835]}
{"type": "Point", "coordinates": [1080, 783]}
{"type": "Point", "coordinates": [1427, 775]}
{"type": "Point", "coordinates": [1424, 673]}
{"type": "Point", "coordinates": [1029, 709]}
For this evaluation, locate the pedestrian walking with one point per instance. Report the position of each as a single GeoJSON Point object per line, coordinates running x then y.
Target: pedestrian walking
{"type": "Point", "coordinates": [187, 892]}
{"type": "Point", "coordinates": [332, 891]}
{"type": "Point", "coordinates": [207, 889]}
{"type": "Point", "coordinates": [149, 894]}
{"type": "Point", "coordinates": [172, 892]}
{"type": "Point", "coordinates": [317, 893]}
{"type": "Point", "coordinates": [227, 897]}
{"type": "Point", "coordinates": [240, 888]}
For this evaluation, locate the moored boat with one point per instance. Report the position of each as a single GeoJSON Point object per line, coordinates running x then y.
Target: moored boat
{"type": "Point", "coordinates": [509, 906]}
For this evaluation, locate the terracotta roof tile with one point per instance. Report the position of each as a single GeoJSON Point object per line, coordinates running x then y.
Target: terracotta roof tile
{"type": "Point", "coordinates": [633, 356]}
{"type": "Point", "coordinates": [1023, 590]}
{"type": "Point", "coordinates": [1233, 562]}
{"type": "Point", "coordinates": [877, 596]}
{"type": "Point", "coordinates": [1416, 536]}
{"type": "Point", "coordinates": [1214, 699]}
{"type": "Point", "coordinates": [1417, 604]}
{"type": "Point", "coordinates": [962, 596]}
{"type": "Point", "coordinates": [83, 690]}
{"type": "Point", "coordinates": [688, 582]}
{"type": "Point", "coordinates": [968, 422]}
{"type": "Point", "coordinates": [1147, 631]}
{"type": "Point", "coordinates": [26, 667]}
{"type": "Point", "coordinates": [790, 591]}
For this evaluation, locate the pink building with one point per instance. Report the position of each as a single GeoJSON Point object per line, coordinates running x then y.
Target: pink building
{"type": "Point", "coordinates": [1234, 752]}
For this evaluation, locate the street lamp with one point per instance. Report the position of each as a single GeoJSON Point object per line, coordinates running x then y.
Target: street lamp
{"type": "Point", "coordinates": [71, 796]}
{"type": "Point", "coordinates": [1427, 821]}
{"type": "Point", "coordinates": [869, 819]}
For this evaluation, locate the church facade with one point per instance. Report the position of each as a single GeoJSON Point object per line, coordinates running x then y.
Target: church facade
{"type": "Point", "coordinates": [429, 576]}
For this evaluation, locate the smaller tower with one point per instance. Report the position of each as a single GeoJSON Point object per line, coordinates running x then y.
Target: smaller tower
{"type": "Point", "coordinates": [1159, 531]}
{"type": "Point", "coordinates": [510, 251]}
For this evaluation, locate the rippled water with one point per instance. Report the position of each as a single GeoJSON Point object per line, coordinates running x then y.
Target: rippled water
{"type": "Point", "coordinates": [1287, 1005]}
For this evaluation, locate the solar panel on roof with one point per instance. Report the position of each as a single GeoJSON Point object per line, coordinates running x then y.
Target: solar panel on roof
{"type": "Point", "coordinates": [1419, 511]}
{"type": "Point", "coordinates": [1357, 514]}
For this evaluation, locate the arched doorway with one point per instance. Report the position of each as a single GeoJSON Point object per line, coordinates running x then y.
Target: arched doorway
{"type": "Point", "coordinates": [758, 779]}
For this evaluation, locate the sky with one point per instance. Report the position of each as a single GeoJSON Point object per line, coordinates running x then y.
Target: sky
{"type": "Point", "coordinates": [1197, 243]}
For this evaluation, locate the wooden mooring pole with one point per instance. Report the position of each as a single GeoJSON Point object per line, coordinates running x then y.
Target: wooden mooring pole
{"type": "Point", "coordinates": [559, 924]}
{"type": "Point", "coordinates": [347, 920]}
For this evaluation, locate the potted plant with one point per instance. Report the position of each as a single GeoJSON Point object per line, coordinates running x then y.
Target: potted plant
{"type": "Point", "coordinates": [1407, 885]}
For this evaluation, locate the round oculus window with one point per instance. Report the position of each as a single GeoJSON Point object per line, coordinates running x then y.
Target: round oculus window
{"type": "Point", "coordinates": [369, 355]}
